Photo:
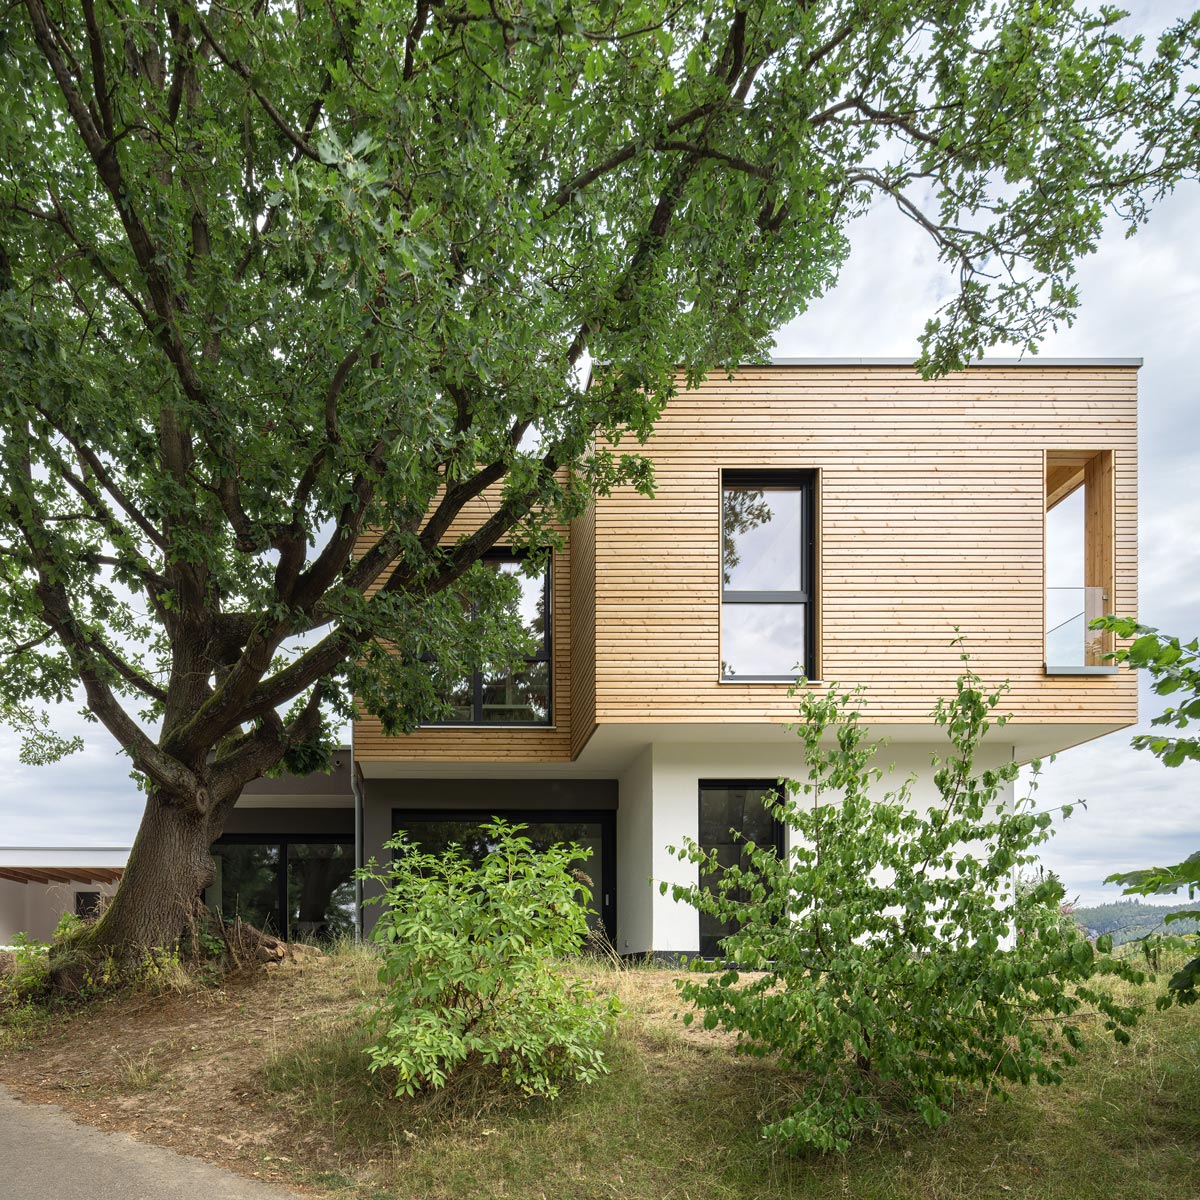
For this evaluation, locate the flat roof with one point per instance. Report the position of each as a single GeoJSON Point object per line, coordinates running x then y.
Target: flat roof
{"type": "Point", "coordinates": [63, 857]}
{"type": "Point", "coordinates": [1029, 360]}
{"type": "Point", "coordinates": [46, 875]}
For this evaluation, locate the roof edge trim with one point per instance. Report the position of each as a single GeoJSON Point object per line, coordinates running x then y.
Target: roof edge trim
{"type": "Point", "coordinates": [985, 361]}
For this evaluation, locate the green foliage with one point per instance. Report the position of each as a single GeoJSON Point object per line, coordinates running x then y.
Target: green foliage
{"type": "Point", "coordinates": [885, 935]}
{"type": "Point", "coordinates": [29, 977]}
{"type": "Point", "coordinates": [469, 967]}
{"type": "Point", "coordinates": [1174, 670]}
{"type": "Point", "coordinates": [272, 277]}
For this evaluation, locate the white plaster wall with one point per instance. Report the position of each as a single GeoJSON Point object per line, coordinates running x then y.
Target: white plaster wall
{"type": "Point", "coordinates": [635, 866]}
{"type": "Point", "coordinates": [676, 773]}
{"type": "Point", "coordinates": [45, 904]}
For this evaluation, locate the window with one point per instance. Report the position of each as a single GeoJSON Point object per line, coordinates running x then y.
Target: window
{"type": "Point", "coordinates": [495, 697]}
{"type": "Point", "coordinates": [731, 814]}
{"type": "Point", "coordinates": [87, 905]}
{"type": "Point", "coordinates": [1080, 547]}
{"type": "Point", "coordinates": [302, 888]}
{"type": "Point", "coordinates": [435, 831]}
{"type": "Point", "coordinates": [766, 575]}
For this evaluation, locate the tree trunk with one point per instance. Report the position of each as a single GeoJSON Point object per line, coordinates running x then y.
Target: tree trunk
{"type": "Point", "coordinates": [169, 866]}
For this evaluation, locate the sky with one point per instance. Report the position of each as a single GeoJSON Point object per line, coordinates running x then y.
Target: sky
{"type": "Point", "coordinates": [1140, 297]}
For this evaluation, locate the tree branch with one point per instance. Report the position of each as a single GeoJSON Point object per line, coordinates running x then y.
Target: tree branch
{"type": "Point", "coordinates": [239, 68]}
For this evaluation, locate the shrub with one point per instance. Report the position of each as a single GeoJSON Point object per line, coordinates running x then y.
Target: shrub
{"type": "Point", "coordinates": [28, 973]}
{"type": "Point", "coordinates": [469, 971]}
{"type": "Point", "coordinates": [887, 936]}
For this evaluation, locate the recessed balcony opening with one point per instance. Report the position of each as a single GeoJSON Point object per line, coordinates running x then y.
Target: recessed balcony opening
{"type": "Point", "coordinates": [1079, 560]}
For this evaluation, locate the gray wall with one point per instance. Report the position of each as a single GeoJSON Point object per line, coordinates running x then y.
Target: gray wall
{"type": "Point", "coordinates": [491, 796]}
{"type": "Point", "coordinates": [292, 822]}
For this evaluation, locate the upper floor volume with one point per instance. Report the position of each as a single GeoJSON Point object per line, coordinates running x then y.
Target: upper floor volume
{"type": "Point", "coordinates": [838, 519]}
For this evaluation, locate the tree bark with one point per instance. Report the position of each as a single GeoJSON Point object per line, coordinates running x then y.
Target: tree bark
{"type": "Point", "coordinates": [169, 866]}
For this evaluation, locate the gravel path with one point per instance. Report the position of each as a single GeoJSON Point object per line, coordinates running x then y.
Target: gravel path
{"type": "Point", "coordinates": [44, 1155]}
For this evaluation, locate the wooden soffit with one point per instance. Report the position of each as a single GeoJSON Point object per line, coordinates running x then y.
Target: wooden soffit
{"type": "Point", "coordinates": [61, 874]}
{"type": "Point", "coordinates": [1064, 473]}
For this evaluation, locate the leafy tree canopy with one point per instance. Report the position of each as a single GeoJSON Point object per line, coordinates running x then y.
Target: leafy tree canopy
{"type": "Point", "coordinates": [1174, 670]}
{"type": "Point", "coordinates": [272, 277]}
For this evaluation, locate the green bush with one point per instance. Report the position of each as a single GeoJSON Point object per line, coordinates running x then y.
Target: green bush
{"type": "Point", "coordinates": [469, 967]}
{"type": "Point", "coordinates": [29, 976]}
{"type": "Point", "coordinates": [900, 961]}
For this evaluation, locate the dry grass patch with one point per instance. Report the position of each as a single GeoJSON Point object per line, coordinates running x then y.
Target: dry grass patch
{"type": "Point", "coordinates": [267, 1075]}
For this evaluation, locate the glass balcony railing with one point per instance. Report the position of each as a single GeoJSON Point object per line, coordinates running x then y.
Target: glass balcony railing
{"type": "Point", "coordinates": [1070, 644]}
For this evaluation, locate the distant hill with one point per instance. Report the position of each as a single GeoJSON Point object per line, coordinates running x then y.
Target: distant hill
{"type": "Point", "coordinates": [1128, 920]}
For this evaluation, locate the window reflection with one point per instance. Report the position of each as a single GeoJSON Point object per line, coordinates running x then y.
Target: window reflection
{"type": "Point", "coordinates": [517, 696]}
{"type": "Point", "coordinates": [320, 887]}
{"type": "Point", "coordinates": [763, 639]}
{"type": "Point", "coordinates": [521, 697]}
{"type": "Point", "coordinates": [245, 885]}
{"type": "Point", "coordinates": [314, 880]}
{"type": "Point", "coordinates": [762, 535]}
{"type": "Point", "coordinates": [730, 816]}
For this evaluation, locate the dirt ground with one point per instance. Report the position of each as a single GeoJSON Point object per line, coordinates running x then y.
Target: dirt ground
{"type": "Point", "coordinates": [186, 1071]}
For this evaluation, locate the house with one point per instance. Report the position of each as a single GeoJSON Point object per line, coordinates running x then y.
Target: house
{"type": "Point", "coordinates": [836, 518]}
{"type": "Point", "coordinates": [40, 884]}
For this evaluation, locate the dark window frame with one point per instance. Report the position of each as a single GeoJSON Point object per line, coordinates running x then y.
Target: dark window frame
{"type": "Point", "coordinates": [282, 841]}
{"type": "Point", "coordinates": [545, 654]}
{"type": "Point", "coordinates": [778, 830]}
{"type": "Point", "coordinates": [805, 482]}
{"type": "Point", "coordinates": [606, 818]}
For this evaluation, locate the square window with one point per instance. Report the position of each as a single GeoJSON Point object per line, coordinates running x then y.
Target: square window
{"type": "Point", "coordinates": [763, 640]}
{"type": "Point", "coordinates": [491, 697]}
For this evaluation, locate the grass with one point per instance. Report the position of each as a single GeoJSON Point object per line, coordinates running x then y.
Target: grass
{"type": "Point", "coordinates": [678, 1118]}
{"type": "Point", "coordinates": [268, 1075]}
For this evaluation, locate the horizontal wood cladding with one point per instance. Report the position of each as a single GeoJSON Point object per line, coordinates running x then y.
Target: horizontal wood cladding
{"type": "Point", "coordinates": [483, 743]}
{"type": "Point", "coordinates": [931, 500]}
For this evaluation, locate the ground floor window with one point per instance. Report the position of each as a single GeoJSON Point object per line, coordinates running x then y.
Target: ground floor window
{"type": "Point", "coordinates": [732, 812]}
{"type": "Point", "coordinates": [299, 889]}
{"type": "Point", "coordinates": [434, 832]}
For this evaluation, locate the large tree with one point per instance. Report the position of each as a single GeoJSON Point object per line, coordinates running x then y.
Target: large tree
{"type": "Point", "coordinates": [274, 277]}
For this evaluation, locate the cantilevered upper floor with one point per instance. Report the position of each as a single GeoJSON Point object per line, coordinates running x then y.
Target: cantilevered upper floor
{"type": "Point", "coordinates": [840, 520]}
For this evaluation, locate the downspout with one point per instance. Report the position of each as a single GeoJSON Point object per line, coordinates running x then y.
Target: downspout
{"type": "Point", "coordinates": [356, 789]}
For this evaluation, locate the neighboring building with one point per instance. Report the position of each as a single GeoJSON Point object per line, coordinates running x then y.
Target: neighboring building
{"type": "Point", "coordinates": [285, 863]}
{"type": "Point", "coordinates": [39, 884]}
{"type": "Point", "coordinates": [841, 517]}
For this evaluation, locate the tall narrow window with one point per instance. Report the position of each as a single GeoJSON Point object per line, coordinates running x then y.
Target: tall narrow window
{"type": "Point", "coordinates": [500, 697]}
{"type": "Point", "coordinates": [1080, 546]}
{"type": "Point", "coordinates": [766, 575]}
{"type": "Point", "coordinates": [732, 814]}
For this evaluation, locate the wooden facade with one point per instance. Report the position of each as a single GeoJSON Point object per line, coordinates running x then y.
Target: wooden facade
{"type": "Point", "coordinates": [492, 743]}
{"type": "Point", "coordinates": [931, 500]}
{"type": "Point", "coordinates": [931, 503]}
